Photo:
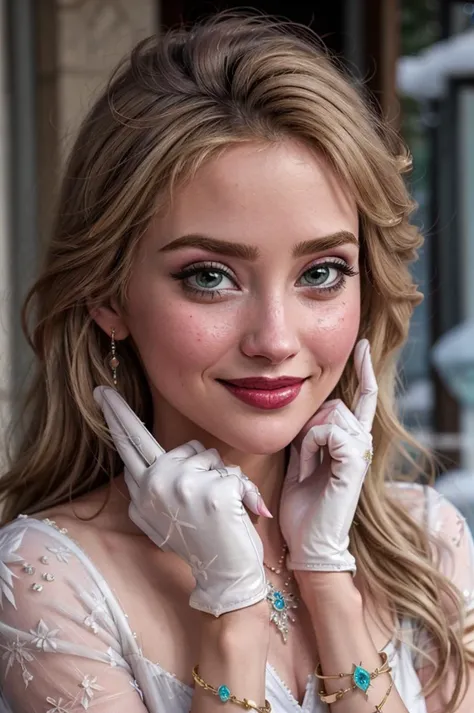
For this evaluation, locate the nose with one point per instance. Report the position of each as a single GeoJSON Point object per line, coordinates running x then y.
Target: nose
{"type": "Point", "coordinates": [271, 333]}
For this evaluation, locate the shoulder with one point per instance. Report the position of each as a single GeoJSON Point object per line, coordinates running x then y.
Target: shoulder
{"type": "Point", "coordinates": [35, 557]}
{"type": "Point", "coordinates": [450, 536]}
{"type": "Point", "coordinates": [429, 508]}
{"type": "Point", "coordinates": [61, 636]}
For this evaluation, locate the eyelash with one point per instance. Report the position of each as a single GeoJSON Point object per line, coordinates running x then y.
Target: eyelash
{"type": "Point", "coordinates": [181, 276]}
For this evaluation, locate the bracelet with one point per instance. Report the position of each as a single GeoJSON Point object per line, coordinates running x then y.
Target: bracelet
{"type": "Point", "coordinates": [337, 695]}
{"type": "Point", "coordinates": [384, 700]}
{"type": "Point", "coordinates": [382, 655]}
{"type": "Point", "coordinates": [360, 676]}
{"type": "Point", "coordinates": [225, 695]}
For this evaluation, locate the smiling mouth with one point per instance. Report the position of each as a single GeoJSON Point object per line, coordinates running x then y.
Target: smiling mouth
{"type": "Point", "coordinates": [265, 393]}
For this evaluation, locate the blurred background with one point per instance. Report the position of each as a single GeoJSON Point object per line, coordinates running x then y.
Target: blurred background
{"type": "Point", "coordinates": [415, 58]}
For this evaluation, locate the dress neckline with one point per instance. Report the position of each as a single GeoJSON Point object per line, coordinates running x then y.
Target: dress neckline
{"type": "Point", "coordinates": [307, 705]}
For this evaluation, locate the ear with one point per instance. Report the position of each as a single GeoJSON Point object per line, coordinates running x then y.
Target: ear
{"type": "Point", "coordinates": [109, 317]}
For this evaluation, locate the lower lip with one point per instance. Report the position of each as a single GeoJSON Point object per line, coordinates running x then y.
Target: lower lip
{"type": "Point", "coordinates": [267, 399]}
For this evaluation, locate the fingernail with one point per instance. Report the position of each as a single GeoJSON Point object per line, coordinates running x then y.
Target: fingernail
{"type": "Point", "coordinates": [263, 510]}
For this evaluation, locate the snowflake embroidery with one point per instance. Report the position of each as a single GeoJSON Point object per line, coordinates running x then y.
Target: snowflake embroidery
{"type": "Point", "coordinates": [136, 687]}
{"type": "Point", "coordinates": [58, 706]}
{"type": "Point", "coordinates": [10, 541]}
{"type": "Point", "coordinates": [89, 685]}
{"type": "Point", "coordinates": [113, 658]}
{"type": "Point", "coordinates": [177, 524]}
{"type": "Point", "coordinates": [62, 553]}
{"type": "Point", "coordinates": [26, 676]}
{"type": "Point", "coordinates": [199, 568]}
{"type": "Point", "coordinates": [98, 611]}
{"type": "Point", "coordinates": [17, 651]}
{"type": "Point", "coordinates": [44, 637]}
{"type": "Point", "coordinates": [91, 623]}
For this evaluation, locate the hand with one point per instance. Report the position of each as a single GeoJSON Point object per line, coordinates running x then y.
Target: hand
{"type": "Point", "coordinates": [324, 479]}
{"type": "Point", "coordinates": [187, 501]}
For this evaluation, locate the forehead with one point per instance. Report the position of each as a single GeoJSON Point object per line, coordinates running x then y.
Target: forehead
{"type": "Point", "coordinates": [262, 193]}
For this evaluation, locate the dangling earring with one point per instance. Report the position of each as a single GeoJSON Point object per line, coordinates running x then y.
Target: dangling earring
{"type": "Point", "coordinates": [114, 362]}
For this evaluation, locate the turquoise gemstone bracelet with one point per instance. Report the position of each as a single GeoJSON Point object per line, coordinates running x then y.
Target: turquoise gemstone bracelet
{"type": "Point", "coordinates": [361, 679]}
{"type": "Point", "coordinates": [224, 694]}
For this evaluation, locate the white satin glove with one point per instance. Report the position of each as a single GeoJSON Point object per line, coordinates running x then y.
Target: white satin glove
{"type": "Point", "coordinates": [320, 495]}
{"type": "Point", "coordinates": [187, 501]}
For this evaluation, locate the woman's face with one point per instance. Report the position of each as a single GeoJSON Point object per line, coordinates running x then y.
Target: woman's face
{"type": "Point", "coordinates": [252, 274]}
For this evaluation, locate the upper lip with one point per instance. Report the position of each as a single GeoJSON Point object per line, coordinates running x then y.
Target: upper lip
{"type": "Point", "coordinates": [265, 382]}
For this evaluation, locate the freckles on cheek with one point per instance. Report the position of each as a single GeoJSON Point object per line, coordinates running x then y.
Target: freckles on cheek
{"type": "Point", "coordinates": [335, 332]}
{"type": "Point", "coordinates": [187, 338]}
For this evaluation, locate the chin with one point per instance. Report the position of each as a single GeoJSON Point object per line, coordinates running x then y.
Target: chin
{"type": "Point", "coordinates": [258, 438]}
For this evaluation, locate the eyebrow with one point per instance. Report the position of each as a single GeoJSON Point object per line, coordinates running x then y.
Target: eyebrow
{"type": "Point", "coordinates": [251, 253]}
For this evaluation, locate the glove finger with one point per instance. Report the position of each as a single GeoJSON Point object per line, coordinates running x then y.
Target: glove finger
{"type": "Point", "coordinates": [310, 447]}
{"type": "Point", "coordinates": [367, 403]}
{"type": "Point", "coordinates": [206, 460]}
{"type": "Point", "coordinates": [318, 419]}
{"type": "Point", "coordinates": [132, 485]}
{"type": "Point", "coordinates": [252, 498]}
{"type": "Point", "coordinates": [135, 444]}
{"type": "Point", "coordinates": [329, 436]}
{"type": "Point", "coordinates": [345, 419]}
{"type": "Point", "coordinates": [340, 445]}
{"type": "Point", "coordinates": [186, 451]}
{"type": "Point", "coordinates": [315, 420]}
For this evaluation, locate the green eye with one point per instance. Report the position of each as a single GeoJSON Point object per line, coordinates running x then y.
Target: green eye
{"type": "Point", "coordinates": [207, 279]}
{"type": "Point", "coordinates": [319, 275]}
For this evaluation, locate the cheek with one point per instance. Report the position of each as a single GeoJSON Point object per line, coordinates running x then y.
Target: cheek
{"type": "Point", "coordinates": [334, 334]}
{"type": "Point", "coordinates": [175, 336]}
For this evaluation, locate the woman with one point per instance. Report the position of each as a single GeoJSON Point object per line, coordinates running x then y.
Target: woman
{"type": "Point", "coordinates": [231, 263]}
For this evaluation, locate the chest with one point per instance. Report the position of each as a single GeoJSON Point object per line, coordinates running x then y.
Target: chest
{"type": "Point", "coordinates": [153, 589]}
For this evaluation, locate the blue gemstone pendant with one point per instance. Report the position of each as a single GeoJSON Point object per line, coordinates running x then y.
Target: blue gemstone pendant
{"type": "Point", "coordinates": [223, 693]}
{"type": "Point", "coordinates": [280, 602]}
{"type": "Point", "coordinates": [361, 678]}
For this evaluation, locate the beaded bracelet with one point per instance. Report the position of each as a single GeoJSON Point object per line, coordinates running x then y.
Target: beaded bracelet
{"type": "Point", "coordinates": [225, 695]}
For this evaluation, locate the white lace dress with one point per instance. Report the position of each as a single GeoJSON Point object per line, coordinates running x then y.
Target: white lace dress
{"type": "Point", "coordinates": [66, 645]}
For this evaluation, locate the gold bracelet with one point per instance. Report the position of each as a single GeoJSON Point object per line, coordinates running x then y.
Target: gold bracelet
{"type": "Point", "coordinates": [377, 671]}
{"type": "Point", "coordinates": [337, 695]}
{"type": "Point", "coordinates": [224, 694]}
{"type": "Point", "coordinates": [360, 676]}
{"type": "Point", "coordinates": [384, 700]}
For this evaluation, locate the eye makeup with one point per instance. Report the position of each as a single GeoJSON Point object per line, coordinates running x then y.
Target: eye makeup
{"type": "Point", "coordinates": [207, 279]}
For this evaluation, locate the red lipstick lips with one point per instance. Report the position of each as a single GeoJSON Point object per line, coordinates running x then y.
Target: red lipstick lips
{"type": "Point", "coordinates": [264, 392]}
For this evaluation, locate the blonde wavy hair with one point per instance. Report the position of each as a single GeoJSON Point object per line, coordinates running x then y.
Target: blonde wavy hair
{"type": "Point", "coordinates": [177, 101]}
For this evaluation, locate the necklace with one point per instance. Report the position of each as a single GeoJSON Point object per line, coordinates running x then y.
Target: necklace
{"type": "Point", "coordinates": [281, 600]}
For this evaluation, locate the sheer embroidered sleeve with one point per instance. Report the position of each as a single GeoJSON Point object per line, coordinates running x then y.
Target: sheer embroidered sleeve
{"type": "Point", "coordinates": [453, 547]}
{"type": "Point", "coordinates": [455, 544]}
{"type": "Point", "coordinates": [60, 647]}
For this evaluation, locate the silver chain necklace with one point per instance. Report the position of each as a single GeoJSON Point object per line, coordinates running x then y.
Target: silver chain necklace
{"type": "Point", "coordinates": [281, 599]}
